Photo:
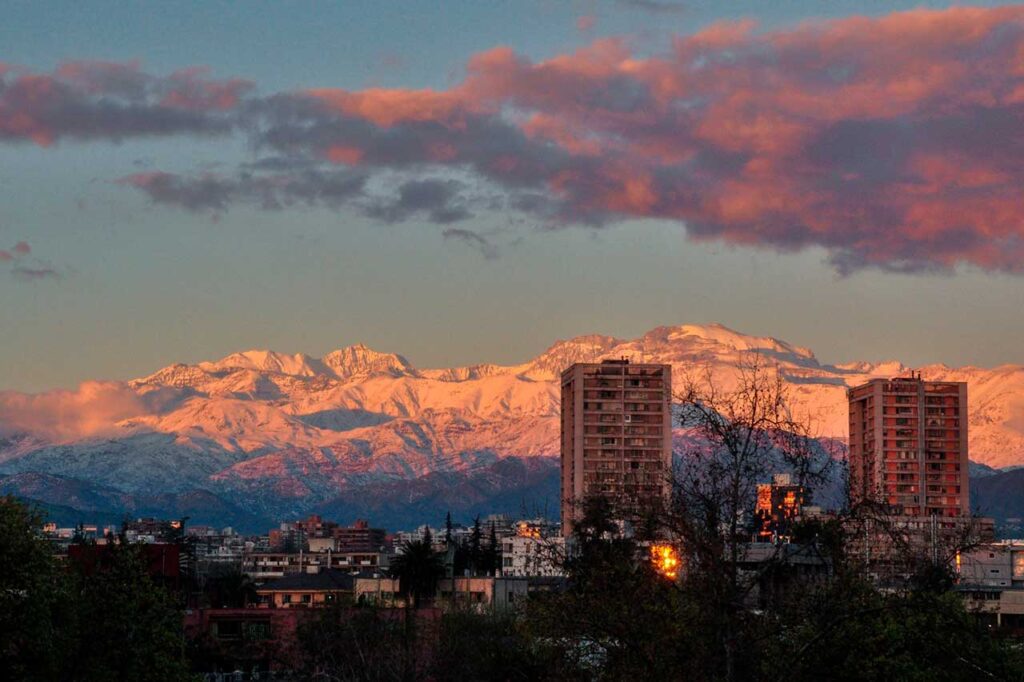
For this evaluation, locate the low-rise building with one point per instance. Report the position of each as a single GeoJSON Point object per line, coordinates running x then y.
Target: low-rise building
{"type": "Point", "coordinates": [991, 579]}
{"type": "Point", "coordinates": [306, 590]}
{"type": "Point", "coordinates": [530, 555]}
{"type": "Point", "coordinates": [269, 565]}
{"type": "Point", "coordinates": [482, 593]}
{"type": "Point", "coordinates": [378, 590]}
{"type": "Point", "coordinates": [325, 544]}
{"type": "Point", "coordinates": [151, 530]}
{"type": "Point", "coordinates": [359, 538]}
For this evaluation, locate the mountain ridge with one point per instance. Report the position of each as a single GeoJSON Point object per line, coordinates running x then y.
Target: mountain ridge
{"type": "Point", "coordinates": [277, 432]}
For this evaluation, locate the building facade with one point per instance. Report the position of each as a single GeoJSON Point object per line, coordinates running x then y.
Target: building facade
{"type": "Point", "coordinates": [616, 434]}
{"type": "Point", "coordinates": [268, 565]}
{"type": "Point", "coordinates": [528, 556]}
{"type": "Point", "coordinates": [908, 446]}
{"type": "Point", "coordinates": [990, 577]}
{"type": "Point", "coordinates": [306, 590]}
{"type": "Point", "coordinates": [779, 505]}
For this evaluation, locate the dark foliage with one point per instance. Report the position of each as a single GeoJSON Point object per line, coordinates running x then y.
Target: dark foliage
{"type": "Point", "coordinates": [418, 568]}
{"type": "Point", "coordinates": [59, 622]}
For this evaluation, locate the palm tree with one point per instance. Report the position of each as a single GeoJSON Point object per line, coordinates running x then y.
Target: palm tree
{"type": "Point", "coordinates": [418, 568]}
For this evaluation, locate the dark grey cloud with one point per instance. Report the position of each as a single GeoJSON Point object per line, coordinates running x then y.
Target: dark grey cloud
{"type": "Point", "coordinates": [31, 274]}
{"type": "Point", "coordinates": [216, 193]}
{"type": "Point", "coordinates": [654, 6]}
{"type": "Point", "coordinates": [473, 239]}
{"type": "Point", "coordinates": [106, 101]}
{"type": "Point", "coordinates": [438, 200]}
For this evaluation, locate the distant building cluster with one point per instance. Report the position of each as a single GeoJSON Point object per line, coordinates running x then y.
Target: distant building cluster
{"type": "Point", "coordinates": [907, 461]}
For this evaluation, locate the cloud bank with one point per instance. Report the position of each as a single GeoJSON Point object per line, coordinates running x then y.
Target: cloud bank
{"type": "Point", "coordinates": [91, 411]}
{"type": "Point", "coordinates": [893, 143]}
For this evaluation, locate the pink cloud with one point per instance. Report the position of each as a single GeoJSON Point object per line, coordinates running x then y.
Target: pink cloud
{"type": "Point", "coordinates": [585, 23]}
{"type": "Point", "coordinates": [190, 89]}
{"type": "Point", "coordinates": [22, 249]}
{"type": "Point", "coordinates": [385, 107]}
{"type": "Point", "coordinates": [92, 410]}
{"type": "Point", "coordinates": [829, 135]}
{"type": "Point", "coordinates": [888, 142]}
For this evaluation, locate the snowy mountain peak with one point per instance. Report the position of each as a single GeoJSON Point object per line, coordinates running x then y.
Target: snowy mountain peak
{"type": "Point", "coordinates": [716, 334]}
{"type": "Point", "coordinates": [299, 364]}
{"type": "Point", "coordinates": [176, 375]}
{"type": "Point", "coordinates": [360, 360]}
{"type": "Point", "coordinates": [889, 368]}
{"type": "Point", "coordinates": [562, 353]}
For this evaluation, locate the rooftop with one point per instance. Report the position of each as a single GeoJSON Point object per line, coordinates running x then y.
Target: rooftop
{"type": "Point", "coordinates": [328, 580]}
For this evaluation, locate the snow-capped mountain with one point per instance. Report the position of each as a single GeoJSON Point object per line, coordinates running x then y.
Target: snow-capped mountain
{"type": "Point", "coordinates": [274, 433]}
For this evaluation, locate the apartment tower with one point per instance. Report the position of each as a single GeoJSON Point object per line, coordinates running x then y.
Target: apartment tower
{"type": "Point", "coordinates": [908, 446]}
{"type": "Point", "coordinates": [616, 434]}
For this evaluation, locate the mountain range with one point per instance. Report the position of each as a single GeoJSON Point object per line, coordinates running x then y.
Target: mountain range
{"type": "Point", "coordinates": [259, 436]}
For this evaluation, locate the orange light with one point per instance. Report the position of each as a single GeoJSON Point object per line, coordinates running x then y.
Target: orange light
{"type": "Point", "coordinates": [527, 530]}
{"type": "Point", "coordinates": [665, 560]}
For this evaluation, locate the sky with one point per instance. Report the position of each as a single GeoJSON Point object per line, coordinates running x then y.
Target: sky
{"type": "Point", "coordinates": [467, 182]}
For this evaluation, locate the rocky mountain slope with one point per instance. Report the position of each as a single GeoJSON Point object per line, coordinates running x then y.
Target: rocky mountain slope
{"type": "Point", "coordinates": [270, 434]}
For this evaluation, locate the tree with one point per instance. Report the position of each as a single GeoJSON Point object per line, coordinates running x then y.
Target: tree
{"type": "Point", "coordinates": [448, 529]}
{"type": "Point", "coordinates": [739, 436]}
{"type": "Point", "coordinates": [230, 589]}
{"type": "Point", "coordinates": [132, 628]}
{"type": "Point", "coordinates": [418, 568]}
{"type": "Point", "coordinates": [366, 643]}
{"type": "Point", "coordinates": [491, 561]}
{"type": "Point", "coordinates": [489, 646]}
{"type": "Point", "coordinates": [101, 622]}
{"type": "Point", "coordinates": [36, 623]}
{"type": "Point", "coordinates": [615, 617]}
{"type": "Point", "coordinates": [849, 629]}
{"type": "Point", "coordinates": [475, 545]}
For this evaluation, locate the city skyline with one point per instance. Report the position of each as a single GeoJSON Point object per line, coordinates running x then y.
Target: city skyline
{"type": "Point", "coordinates": [537, 339]}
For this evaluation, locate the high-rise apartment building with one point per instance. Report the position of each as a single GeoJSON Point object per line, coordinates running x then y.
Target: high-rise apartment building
{"type": "Point", "coordinates": [616, 434]}
{"type": "Point", "coordinates": [908, 446]}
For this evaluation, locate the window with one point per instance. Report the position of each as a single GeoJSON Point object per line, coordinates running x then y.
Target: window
{"type": "Point", "coordinates": [228, 629]}
{"type": "Point", "coordinates": [256, 631]}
